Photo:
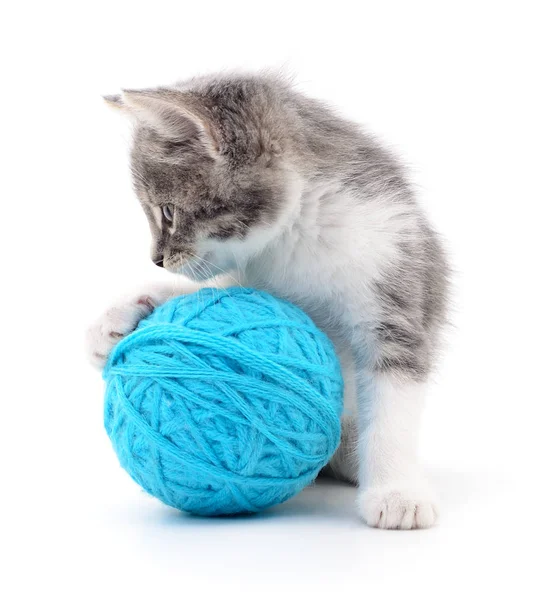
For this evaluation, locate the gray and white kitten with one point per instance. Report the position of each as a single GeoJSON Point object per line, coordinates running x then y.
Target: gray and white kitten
{"type": "Point", "coordinates": [244, 175]}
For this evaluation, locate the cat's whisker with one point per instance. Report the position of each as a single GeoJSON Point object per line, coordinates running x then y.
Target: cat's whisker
{"type": "Point", "coordinates": [222, 271]}
{"type": "Point", "coordinates": [213, 276]}
{"type": "Point", "coordinates": [240, 271]}
{"type": "Point", "coordinates": [190, 267]}
{"type": "Point", "coordinates": [205, 270]}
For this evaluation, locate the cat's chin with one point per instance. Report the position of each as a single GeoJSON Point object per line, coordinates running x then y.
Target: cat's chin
{"type": "Point", "coordinates": [200, 269]}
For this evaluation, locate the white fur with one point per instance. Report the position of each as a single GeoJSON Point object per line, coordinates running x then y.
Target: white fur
{"type": "Point", "coordinates": [325, 261]}
{"type": "Point", "coordinates": [393, 491]}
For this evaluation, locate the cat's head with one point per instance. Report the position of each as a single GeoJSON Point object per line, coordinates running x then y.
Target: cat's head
{"type": "Point", "coordinates": [211, 171]}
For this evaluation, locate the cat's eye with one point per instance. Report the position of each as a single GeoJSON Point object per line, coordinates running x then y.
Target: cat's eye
{"type": "Point", "coordinates": [167, 213]}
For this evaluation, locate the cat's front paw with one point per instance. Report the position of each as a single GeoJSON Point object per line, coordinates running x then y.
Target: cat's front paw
{"type": "Point", "coordinates": [114, 324]}
{"type": "Point", "coordinates": [398, 506]}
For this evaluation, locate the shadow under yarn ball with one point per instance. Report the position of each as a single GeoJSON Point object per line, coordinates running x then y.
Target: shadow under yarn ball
{"type": "Point", "coordinates": [224, 401]}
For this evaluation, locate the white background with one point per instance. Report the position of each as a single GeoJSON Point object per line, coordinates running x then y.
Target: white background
{"type": "Point", "coordinates": [448, 85]}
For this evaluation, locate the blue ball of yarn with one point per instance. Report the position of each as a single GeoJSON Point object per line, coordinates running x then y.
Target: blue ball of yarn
{"type": "Point", "coordinates": [224, 401]}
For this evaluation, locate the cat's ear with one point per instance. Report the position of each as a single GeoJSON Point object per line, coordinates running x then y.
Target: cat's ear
{"type": "Point", "coordinates": [174, 114]}
{"type": "Point", "coordinates": [115, 101]}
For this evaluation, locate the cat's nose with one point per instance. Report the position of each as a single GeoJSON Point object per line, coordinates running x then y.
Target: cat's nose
{"type": "Point", "coordinates": [159, 261]}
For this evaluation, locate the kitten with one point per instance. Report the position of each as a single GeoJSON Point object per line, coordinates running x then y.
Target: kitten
{"type": "Point", "coordinates": [244, 175]}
